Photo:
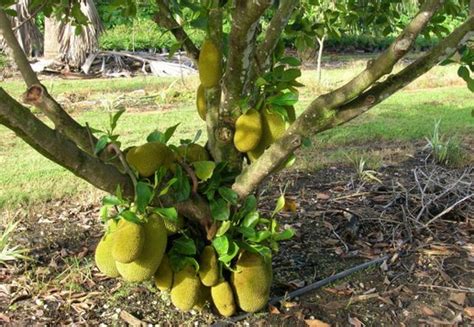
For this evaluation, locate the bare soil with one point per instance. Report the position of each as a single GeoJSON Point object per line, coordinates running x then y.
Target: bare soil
{"type": "Point", "coordinates": [340, 220]}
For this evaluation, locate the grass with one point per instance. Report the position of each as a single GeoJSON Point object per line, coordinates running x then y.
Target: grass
{"type": "Point", "coordinates": [27, 177]}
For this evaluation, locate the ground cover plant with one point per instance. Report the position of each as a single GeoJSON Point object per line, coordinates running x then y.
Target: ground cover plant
{"type": "Point", "coordinates": [159, 187]}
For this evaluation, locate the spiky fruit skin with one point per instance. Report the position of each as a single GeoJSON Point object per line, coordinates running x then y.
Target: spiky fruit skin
{"type": "Point", "coordinates": [251, 281]}
{"type": "Point", "coordinates": [274, 127]}
{"type": "Point", "coordinates": [164, 275]}
{"type": "Point", "coordinates": [147, 158]}
{"type": "Point", "coordinates": [209, 64]}
{"type": "Point", "coordinates": [145, 266]}
{"type": "Point", "coordinates": [223, 299]}
{"type": "Point", "coordinates": [201, 102]}
{"type": "Point", "coordinates": [173, 227]}
{"type": "Point", "coordinates": [186, 288]}
{"type": "Point", "coordinates": [248, 131]}
{"type": "Point", "coordinates": [203, 299]}
{"type": "Point", "coordinates": [103, 253]}
{"type": "Point", "coordinates": [128, 241]}
{"type": "Point", "coordinates": [193, 152]}
{"type": "Point", "coordinates": [208, 267]}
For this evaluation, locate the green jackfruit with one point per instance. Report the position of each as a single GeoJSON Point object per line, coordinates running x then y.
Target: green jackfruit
{"type": "Point", "coordinates": [203, 299]}
{"type": "Point", "coordinates": [223, 299]}
{"type": "Point", "coordinates": [274, 127]}
{"type": "Point", "coordinates": [210, 64]}
{"type": "Point", "coordinates": [257, 152]}
{"type": "Point", "coordinates": [248, 131]}
{"type": "Point", "coordinates": [164, 275]}
{"type": "Point", "coordinates": [208, 266]}
{"type": "Point", "coordinates": [173, 227]}
{"type": "Point", "coordinates": [128, 241]}
{"type": "Point", "coordinates": [251, 281]}
{"type": "Point", "coordinates": [186, 289]}
{"type": "Point", "coordinates": [145, 266]}
{"type": "Point", "coordinates": [103, 253]}
{"type": "Point", "coordinates": [193, 152]}
{"type": "Point", "coordinates": [201, 102]}
{"type": "Point", "coordinates": [147, 158]}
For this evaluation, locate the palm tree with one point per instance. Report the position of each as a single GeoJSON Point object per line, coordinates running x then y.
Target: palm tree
{"type": "Point", "coordinates": [61, 41]}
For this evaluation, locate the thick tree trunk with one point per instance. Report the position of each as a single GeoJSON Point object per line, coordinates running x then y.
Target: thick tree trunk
{"type": "Point", "coordinates": [52, 47]}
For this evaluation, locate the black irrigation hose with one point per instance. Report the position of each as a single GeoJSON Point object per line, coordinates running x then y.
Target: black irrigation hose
{"type": "Point", "coordinates": [308, 288]}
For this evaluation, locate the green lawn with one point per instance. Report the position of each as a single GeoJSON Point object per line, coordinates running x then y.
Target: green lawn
{"type": "Point", "coordinates": [26, 177]}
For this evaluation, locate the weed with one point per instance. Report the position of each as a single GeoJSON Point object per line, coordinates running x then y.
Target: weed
{"type": "Point", "coordinates": [360, 165]}
{"type": "Point", "coordinates": [443, 150]}
{"type": "Point", "coordinates": [8, 252]}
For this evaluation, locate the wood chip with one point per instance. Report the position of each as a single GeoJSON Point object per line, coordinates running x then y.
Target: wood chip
{"type": "Point", "coordinates": [131, 320]}
{"type": "Point", "coordinates": [457, 298]}
{"type": "Point", "coordinates": [316, 323]}
{"type": "Point", "coordinates": [469, 311]}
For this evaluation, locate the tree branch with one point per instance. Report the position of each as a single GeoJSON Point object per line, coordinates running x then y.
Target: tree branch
{"type": "Point", "coordinates": [42, 99]}
{"type": "Point", "coordinates": [322, 113]}
{"type": "Point", "coordinates": [58, 148]}
{"type": "Point", "coordinates": [164, 18]}
{"type": "Point", "coordinates": [273, 32]}
{"type": "Point", "coordinates": [245, 18]}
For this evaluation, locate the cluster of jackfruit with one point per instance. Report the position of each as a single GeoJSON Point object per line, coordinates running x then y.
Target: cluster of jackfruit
{"type": "Point", "coordinates": [132, 251]}
{"type": "Point", "coordinates": [255, 131]}
{"type": "Point", "coordinates": [247, 287]}
{"type": "Point", "coordinates": [210, 71]}
{"type": "Point", "coordinates": [147, 158]}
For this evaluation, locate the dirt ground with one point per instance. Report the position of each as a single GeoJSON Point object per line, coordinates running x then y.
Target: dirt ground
{"type": "Point", "coordinates": [341, 220]}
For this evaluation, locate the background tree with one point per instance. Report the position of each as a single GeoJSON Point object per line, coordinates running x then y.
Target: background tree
{"type": "Point", "coordinates": [244, 74]}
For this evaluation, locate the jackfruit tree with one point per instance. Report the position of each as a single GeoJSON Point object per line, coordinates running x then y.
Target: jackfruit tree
{"type": "Point", "coordinates": [185, 215]}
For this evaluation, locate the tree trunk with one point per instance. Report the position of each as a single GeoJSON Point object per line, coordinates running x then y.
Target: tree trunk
{"type": "Point", "coordinates": [52, 47]}
{"type": "Point", "coordinates": [320, 57]}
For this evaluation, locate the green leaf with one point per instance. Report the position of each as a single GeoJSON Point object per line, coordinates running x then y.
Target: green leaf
{"type": "Point", "coordinates": [197, 136]}
{"type": "Point", "coordinates": [261, 82]}
{"type": "Point", "coordinates": [104, 213]}
{"type": "Point", "coordinates": [284, 235]}
{"type": "Point", "coordinates": [10, 12]}
{"type": "Point", "coordinates": [101, 144]}
{"type": "Point", "coordinates": [169, 132]}
{"type": "Point", "coordinates": [165, 190]}
{"type": "Point", "coordinates": [223, 228]}
{"type": "Point", "coordinates": [204, 169]}
{"type": "Point", "coordinates": [143, 195]}
{"type": "Point", "coordinates": [231, 253]}
{"type": "Point", "coordinates": [156, 136]}
{"type": "Point", "coordinates": [247, 232]}
{"type": "Point", "coordinates": [221, 244]}
{"type": "Point", "coordinates": [184, 245]}
{"type": "Point", "coordinates": [261, 236]}
{"type": "Point", "coordinates": [463, 72]}
{"type": "Point", "coordinates": [279, 205]}
{"type": "Point", "coordinates": [250, 204]}
{"type": "Point", "coordinates": [251, 219]}
{"type": "Point", "coordinates": [228, 194]}
{"type": "Point", "coordinates": [111, 200]}
{"type": "Point", "coordinates": [167, 213]}
{"type": "Point", "coordinates": [220, 210]}
{"type": "Point", "coordinates": [130, 216]}
{"type": "Point", "coordinates": [178, 261]}
{"type": "Point", "coordinates": [286, 99]}
{"type": "Point", "coordinates": [291, 74]}
{"type": "Point", "coordinates": [182, 187]}
{"type": "Point", "coordinates": [291, 61]}
{"type": "Point", "coordinates": [115, 118]}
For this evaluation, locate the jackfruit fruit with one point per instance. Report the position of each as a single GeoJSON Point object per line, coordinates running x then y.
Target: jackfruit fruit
{"type": "Point", "coordinates": [164, 275]}
{"type": "Point", "coordinates": [173, 227]}
{"type": "Point", "coordinates": [248, 131]}
{"type": "Point", "coordinates": [186, 288]}
{"type": "Point", "coordinates": [210, 64]}
{"type": "Point", "coordinates": [290, 110]}
{"type": "Point", "coordinates": [145, 266]}
{"type": "Point", "coordinates": [208, 266]}
{"type": "Point", "coordinates": [201, 102]}
{"type": "Point", "coordinates": [147, 158]}
{"type": "Point", "coordinates": [203, 299]}
{"type": "Point", "coordinates": [128, 241]}
{"type": "Point", "coordinates": [103, 252]}
{"type": "Point", "coordinates": [274, 127]}
{"type": "Point", "coordinates": [223, 299]}
{"type": "Point", "coordinates": [257, 152]}
{"type": "Point", "coordinates": [251, 281]}
{"type": "Point", "coordinates": [193, 152]}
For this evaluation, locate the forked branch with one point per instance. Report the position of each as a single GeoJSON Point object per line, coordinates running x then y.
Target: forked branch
{"type": "Point", "coordinates": [165, 19]}
{"type": "Point", "coordinates": [328, 110]}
